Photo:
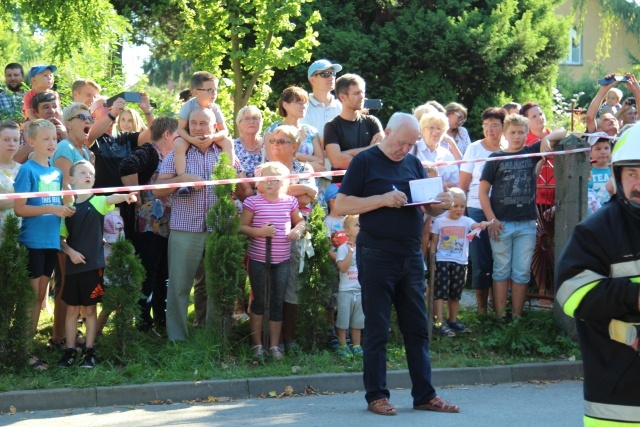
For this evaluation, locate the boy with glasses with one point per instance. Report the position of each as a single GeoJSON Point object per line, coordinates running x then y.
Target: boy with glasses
{"type": "Point", "coordinates": [204, 87]}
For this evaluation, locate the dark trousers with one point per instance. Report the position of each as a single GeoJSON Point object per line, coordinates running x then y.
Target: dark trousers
{"type": "Point", "coordinates": [390, 279]}
{"type": "Point", "coordinates": [480, 254]}
{"type": "Point", "coordinates": [152, 250]}
{"type": "Point", "coordinates": [278, 279]}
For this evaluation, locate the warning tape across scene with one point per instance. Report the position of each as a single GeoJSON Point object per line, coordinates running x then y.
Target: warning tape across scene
{"type": "Point", "coordinates": [13, 196]}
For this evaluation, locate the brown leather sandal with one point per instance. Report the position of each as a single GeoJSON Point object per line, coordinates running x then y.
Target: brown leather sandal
{"type": "Point", "coordinates": [439, 405]}
{"type": "Point", "coordinates": [382, 407]}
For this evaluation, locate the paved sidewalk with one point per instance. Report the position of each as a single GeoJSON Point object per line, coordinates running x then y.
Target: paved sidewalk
{"type": "Point", "coordinates": [32, 400]}
{"type": "Point", "coordinates": [548, 404]}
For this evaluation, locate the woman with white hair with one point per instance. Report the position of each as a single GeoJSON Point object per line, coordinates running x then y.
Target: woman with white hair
{"type": "Point", "coordinates": [433, 127]}
{"type": "Point", "coordinates": [248, 146]}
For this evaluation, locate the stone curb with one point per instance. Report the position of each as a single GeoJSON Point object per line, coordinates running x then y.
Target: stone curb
{"type": "Point", "coordinates": [39, 400]}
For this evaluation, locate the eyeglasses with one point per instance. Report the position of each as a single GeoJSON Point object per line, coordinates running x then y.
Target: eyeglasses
{"type": "Point", "coordinates": [461, 118]}
{"type": "Point", "coordinates": [251, 119]}
{"type": "Point", "coordinates": [491, 127]}
{"type": "Point", "coordinates": [272, 181]}
{"type": "Point", "coordinates": [209, 91]}
{"type": "Point", "coordinates": [83, 117]}
{"type": "Point", "coordinates": [274, 141]}
{"type": "Point", "coordinates": [326, 74]}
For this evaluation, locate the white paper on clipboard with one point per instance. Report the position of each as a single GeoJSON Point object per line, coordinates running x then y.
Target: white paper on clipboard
{"type": "Point", "coordinates": [424, 191]}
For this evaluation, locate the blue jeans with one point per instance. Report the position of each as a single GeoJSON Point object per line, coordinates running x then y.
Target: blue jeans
{"type": "Point", "coordinates": [512, 255]}
{"type": "Point", "coordinates": [387, 279]}
{"type": "Point", "coordinates": [480, 254]}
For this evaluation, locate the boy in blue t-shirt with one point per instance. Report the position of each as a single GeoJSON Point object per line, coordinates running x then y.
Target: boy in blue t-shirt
{"type": "Point", "coordinates": [600, 158]}
{"type": "Point", "coordinates": [81, 240]}
{"type": "Point", "coordinates": [39, 232]}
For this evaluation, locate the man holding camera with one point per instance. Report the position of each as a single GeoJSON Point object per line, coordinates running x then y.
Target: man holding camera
{"type": "Point", "coordinates": [350, 132]}
{"type": "Point", "coordinates": [111, 147]}
{"type": "Point", "coordinates": [607, 122]}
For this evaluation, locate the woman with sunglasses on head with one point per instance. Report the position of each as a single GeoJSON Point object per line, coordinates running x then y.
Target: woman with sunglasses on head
{"type": "Point", "coordinates": [292, 106]}
{"type": "Point", "coordinates": [457, 115]}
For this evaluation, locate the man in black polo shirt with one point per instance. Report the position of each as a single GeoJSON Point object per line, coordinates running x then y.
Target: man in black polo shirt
{"type": "Point", "coordinates": [351, 132]}
{"type": "Point", "coordinates": [390, 262]}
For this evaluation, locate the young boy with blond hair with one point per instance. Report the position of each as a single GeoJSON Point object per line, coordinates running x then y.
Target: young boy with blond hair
{"type": "Point", "coordinates": [204, 87]}
{"type": "Point", "coordinates": [350, 314]}
{"type": "Point", "coordinates": [81, 239]}
{"type": "Point", "coordinates": [42, 79]}
{"type": "Point", "coordinates": [39, 231]}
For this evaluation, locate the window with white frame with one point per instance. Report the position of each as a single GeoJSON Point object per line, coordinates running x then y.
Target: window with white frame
{"type": "Point", "coordinates": [575, 48]}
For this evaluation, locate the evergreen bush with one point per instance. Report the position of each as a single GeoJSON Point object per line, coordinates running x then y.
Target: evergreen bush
{"type": "Point", "coordinates": [125, 274]}
{"type": "Point", "coordinates": [315, 285]}
{"type": "Point", "coordinates": [224, 254]}
{"type": "Point", "coordinates": [16, 298]}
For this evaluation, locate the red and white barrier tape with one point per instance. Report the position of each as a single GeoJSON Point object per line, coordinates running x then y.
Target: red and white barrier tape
{"type": "Point", "coordinates": [127, 189]}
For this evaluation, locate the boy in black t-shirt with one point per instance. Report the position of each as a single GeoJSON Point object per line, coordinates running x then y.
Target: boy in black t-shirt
{"type": "Point", "coordinates": [81, 240]}
{"type": "Point", "coordinates": [511, 209]}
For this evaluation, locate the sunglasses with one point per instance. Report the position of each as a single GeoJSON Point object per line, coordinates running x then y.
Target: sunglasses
{"type": "Point", "coordinates": [209, 91]}
{"type": "Point", "coordinates": [83, 117]}
{"type": "Point", "coordinates": [274, 141]}
{"type": "Point", "coordinates": [326, 74]}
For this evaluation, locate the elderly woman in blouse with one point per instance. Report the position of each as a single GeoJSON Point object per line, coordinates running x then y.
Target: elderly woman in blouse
{"type": "Point", "coordinates": [433, 127]}
{"type": "Point", "coordinates": [249, 145]}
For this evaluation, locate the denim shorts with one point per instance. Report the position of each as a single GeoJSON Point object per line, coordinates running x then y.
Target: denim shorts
{"type": "Point", "coordinates": [512, 255]}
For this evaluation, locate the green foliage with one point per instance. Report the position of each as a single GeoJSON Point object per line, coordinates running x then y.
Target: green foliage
{"type": "Point", "coordinates": [244, 43]}
{"type": "Point", "coordinates": [315, 285]}
{"type": "Point", "coordinates": [125, 274]}
{"type": "Point", "coordinates": [532, 335]}
{"type": "Point", "coordinates": [224, 254]}
{"type": "Point", "coordinates": [69, 24]}
{"type": "Point", "coordinates": [480, 54]}
{"type": "Point", "coordinates": [16, 297]}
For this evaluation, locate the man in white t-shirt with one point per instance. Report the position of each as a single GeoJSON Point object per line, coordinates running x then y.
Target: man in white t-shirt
{"type": "Point", "coordinates": [323, 106]}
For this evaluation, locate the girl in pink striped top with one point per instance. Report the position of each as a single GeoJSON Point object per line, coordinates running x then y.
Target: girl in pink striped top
{"type": "Point", "coordinates": [271, 213]}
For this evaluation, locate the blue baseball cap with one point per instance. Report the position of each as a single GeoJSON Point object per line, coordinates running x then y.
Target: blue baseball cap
{"type": "Point", "coordinates": [323, 64]}
{"type": "Point", "coordinates": [40, 68]}
{"type": "Point", "coordinates": [331, 192]}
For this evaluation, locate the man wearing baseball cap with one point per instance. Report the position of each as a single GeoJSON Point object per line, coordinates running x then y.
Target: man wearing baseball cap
{"type": "Point", "coordinates": [323, 106]}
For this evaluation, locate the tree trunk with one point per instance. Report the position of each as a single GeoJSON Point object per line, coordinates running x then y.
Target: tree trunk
{"type": "Point", "coordinates": [572, 177]}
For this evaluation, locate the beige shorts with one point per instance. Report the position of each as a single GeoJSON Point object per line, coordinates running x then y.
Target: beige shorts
{"type": "Point", "coordinates": [350, 314]}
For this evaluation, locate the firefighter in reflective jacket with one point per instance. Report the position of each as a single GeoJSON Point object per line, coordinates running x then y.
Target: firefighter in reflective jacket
{"type": "Point", "coordinates": [598, 283]}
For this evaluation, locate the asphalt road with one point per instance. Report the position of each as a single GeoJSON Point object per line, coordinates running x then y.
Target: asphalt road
{"type": "Point", "coordinates": [512, 404]}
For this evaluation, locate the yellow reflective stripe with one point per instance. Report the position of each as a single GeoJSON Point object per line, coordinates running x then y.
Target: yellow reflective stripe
{"type": "Point", "coordinates": [593, 422]}
{"type": "Point", "coordinates": [571, 285]}
{"type": "Point", "coordinates": [620, 414]}
{"type": "Point", "coordinates": [635, 280]}
{"type": "Point", "coordinates": [571, 305]}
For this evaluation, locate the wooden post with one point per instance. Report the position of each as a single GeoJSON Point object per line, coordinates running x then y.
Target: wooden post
{"type": "Point", "coordinates": [572, 176]}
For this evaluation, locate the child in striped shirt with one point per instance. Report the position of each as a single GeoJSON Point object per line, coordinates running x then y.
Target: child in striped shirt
{"type": "Point", "coordinates": [270, 214]}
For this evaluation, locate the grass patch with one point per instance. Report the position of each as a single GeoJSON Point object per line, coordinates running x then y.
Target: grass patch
{"type": "Point", "coordinates": [532, 338]}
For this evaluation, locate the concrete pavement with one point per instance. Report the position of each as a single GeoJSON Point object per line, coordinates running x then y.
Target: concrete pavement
{"type": "Point", "coordinates": [510, 404]}
{"type": "Point", "coordinates": [37, 400]}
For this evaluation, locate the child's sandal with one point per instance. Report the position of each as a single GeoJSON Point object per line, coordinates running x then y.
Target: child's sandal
{"type": "Point", "coordinates": [457, 326]}
{"type": "Point", "coordinates": [444, 330]}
